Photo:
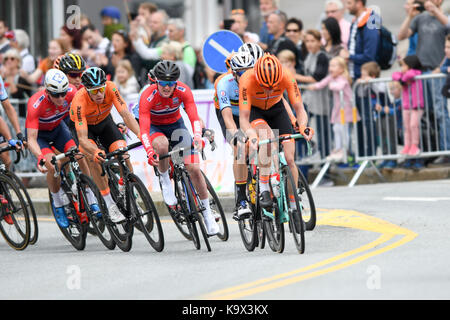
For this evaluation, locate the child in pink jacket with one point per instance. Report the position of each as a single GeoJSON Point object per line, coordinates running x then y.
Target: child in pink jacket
{"type": "Point", "coordinates": [338, 80]}
{"type": "Point", "coordinates": [412, 103]}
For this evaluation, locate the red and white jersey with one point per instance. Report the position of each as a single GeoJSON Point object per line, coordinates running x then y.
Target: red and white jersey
{"type": "Point", "coordinates": [42, 114]}
{"type": "Point", "coordinates": [154, 109]}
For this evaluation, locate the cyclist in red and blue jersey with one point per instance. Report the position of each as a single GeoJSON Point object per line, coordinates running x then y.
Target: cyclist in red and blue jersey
{"type": "Point", "coordinates": [161, 125]}
{"type": "Point", "coordinates": [45, 130]}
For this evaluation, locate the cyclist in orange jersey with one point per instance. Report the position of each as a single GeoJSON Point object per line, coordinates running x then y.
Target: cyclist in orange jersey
{"type": "Point", "coordinates": [261, 110]}
{"type": "Point", "coordinates": [91, 113]}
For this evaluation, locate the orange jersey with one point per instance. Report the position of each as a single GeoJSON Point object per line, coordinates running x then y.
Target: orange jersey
{"type": "Point", "coordinates": [216, 99]}
{"type": "Point", "coordinates": [84, 111]}
{"type": "Point", "coordinates": [251, 93]}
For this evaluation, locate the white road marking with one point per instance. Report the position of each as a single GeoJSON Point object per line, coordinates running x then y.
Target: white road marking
{"type": "Point", "coordinates": [427, 199]}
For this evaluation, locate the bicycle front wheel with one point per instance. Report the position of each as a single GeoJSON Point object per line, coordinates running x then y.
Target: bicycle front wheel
{"type": "Point", "coordinates": [76, 232]}
{"type": "Point", "coordinates": [274, 229]}
{"type": "Point", "coordinates": [97, 219]}
{"type": "Point", "coordinates": [145, 210]}
{"type": "Point", "coordinates": [190, 209]}
{"type": "Point", "coordinates": [34, 232]}
{"type": "Point", "coordinates": [14, 218]}
{"type": "Point", "coordinates": [296, 223]}
{"type": "Point", "coordinates": [306, 202]}
{"type": "Point", "coordinates": [217, 210]}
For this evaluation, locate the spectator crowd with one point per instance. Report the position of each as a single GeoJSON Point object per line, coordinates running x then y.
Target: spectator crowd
{"type": "Point", "coordinates": [336, 63]}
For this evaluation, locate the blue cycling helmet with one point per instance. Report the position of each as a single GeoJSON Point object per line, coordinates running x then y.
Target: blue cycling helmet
{"type": "Point", "coordinates": [93, 78]}
{"type": "Point", "coordinates": [112, 12]}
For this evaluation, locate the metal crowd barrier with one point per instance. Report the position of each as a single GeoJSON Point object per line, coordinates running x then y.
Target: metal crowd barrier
{"type": "Point", "coordinates": [27, 164]}
{"type": "Point", "coordinates": [378, 136]}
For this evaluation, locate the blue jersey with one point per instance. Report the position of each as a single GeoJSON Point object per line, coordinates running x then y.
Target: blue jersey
{"type": "Point", "coordinates": [228, 94]}
{"type": "Point", "coordinates": [3, 93]}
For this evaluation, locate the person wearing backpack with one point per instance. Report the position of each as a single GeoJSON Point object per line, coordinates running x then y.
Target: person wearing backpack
{"type": "Point", "coordinates": [363, 47]}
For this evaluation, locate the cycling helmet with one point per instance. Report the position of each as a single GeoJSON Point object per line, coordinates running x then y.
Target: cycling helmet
{"type": "Point", "coordinates": [56, 81]}
{"type": "Point", "coordinates": [268, 70]}
{"type": "Point", "coordinates": [151, 76]}
{"type": "Point", "coordinates": [241, 60]}
{"type": "Point", "coordinates": [228, 59]}
{"type": "Point", "coordinates": [254, 49]}
{"type": "Point", "coordinates": [72, 62]}
{"type": "Point", "coordinates": [57, 61]}
{"type": "Point", "coordinates": [93, 77]}
{"type": "Point", "coordinates": [166, 70]}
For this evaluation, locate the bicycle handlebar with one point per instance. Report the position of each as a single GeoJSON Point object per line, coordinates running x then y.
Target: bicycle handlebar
{"type": "Point", "coordinates": [13, 148]}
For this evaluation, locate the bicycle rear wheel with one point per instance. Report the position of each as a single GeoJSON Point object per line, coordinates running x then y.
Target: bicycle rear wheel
{"type": "Point", "coordinates": [14, 217]}
{"type": "Point", "coordinates": [34, 232]}
{"type": "Point", "coordinates": [217, 210]}
{"type": "Point", "coordinates": [145, 210]}
{"type": "Point", "coordinates": [76, 232]}
{"type": "Point", "coordinates": [296, 223]}
{"type": "Point", "coordinates": [97, 221]}
{"type": "Point", "coordinates": [306, 202]}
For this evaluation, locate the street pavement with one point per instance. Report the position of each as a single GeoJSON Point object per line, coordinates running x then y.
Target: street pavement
{"type": "Point", "coordinates": [377, 241]}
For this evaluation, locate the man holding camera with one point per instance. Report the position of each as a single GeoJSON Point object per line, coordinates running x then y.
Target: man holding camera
{"type": "Point", "coordinates": [428, 21]}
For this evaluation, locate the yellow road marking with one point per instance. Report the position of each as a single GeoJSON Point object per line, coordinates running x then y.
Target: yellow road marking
{"type": "Point", "coordinates": [341, 218]}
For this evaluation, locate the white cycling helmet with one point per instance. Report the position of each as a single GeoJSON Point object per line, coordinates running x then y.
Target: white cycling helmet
{"type": "Point", "coordinates": [56, 81]}
{"type": "Point", "coordinates": [253, 48]}
{"type": "Point", "coordinates": [241, 60]}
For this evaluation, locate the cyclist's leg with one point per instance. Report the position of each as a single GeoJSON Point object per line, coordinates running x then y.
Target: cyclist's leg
{"type": "Point", "coordinates": [160, 144]}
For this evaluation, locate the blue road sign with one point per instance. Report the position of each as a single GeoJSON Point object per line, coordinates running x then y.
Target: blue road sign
{"type": "Point", "coordinates": [218, 47]}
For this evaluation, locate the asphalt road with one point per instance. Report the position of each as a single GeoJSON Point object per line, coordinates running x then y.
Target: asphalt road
{"type": "Point", "coordinates": [384, 241]}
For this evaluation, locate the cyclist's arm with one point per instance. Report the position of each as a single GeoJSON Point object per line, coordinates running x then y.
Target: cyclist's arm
{"type": "Point", "coordinates": [191, 110]}
{"type": "Point", "coordinates": [145, 122]}
{"type": "Point", "coordinates": [126, 115]}
{"type": "Point", "coordinates": [289, 111]}
{"type": "Point", "coordinates": [295, 99]}
{"type": "Point", "coordinates": [227, 116]}
{"type": "Point", "coordinates": [245, 105]}
{"type": "Point", "coordinates": [4, 130]}
{"type": "Point", "coordinates": [12, 115]}
{"type": "Point", "coordinates": [33, 145]}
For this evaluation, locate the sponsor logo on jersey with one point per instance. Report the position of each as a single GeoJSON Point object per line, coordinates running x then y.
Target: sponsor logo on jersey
{"type": "Point", "coordinates": [38, 102]}
{"type": "Point", "coordinates": [176, 100]}
{"type": "Point", "coordinates": [182, 89]}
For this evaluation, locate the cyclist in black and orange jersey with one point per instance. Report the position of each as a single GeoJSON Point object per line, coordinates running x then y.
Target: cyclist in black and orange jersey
{"type": "Point", "coordinates": [90, 111]}
{"type": "Point", "coordinates": [261, 109]}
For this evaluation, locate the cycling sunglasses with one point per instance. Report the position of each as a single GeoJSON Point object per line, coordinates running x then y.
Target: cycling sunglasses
{"type": "Point", "coordinates": [97, 90]}
{"type": "Point", "coordinates": [240, 73]}
{"type": "Point", "coordinates": [74, 74]}
{"type": "Point", "coordinates": [166, 83]}
{"type": "Point", "coordinates": [57, 94]}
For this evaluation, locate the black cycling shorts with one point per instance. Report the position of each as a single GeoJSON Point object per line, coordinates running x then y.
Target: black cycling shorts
{"type": "Point", "coordinates": [106, 132]}
{"type": "Point", "coordinates": [276, 117]}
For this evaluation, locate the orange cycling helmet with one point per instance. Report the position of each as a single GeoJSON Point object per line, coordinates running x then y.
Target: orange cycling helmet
{"type": "Point", "coordinates": [268, 71]}
{"type": "Point", "coordinates": [228, 60]}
